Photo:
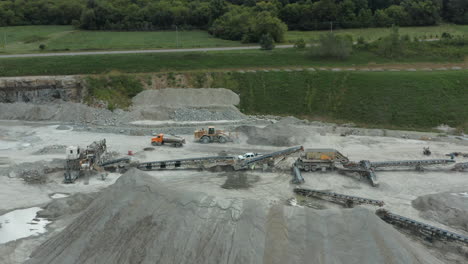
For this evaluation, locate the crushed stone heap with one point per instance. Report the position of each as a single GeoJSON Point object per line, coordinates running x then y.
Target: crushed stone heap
{"type": "Point", "coordinates": [139, 220]}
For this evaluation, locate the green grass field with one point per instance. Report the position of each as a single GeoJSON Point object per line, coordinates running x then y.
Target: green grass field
{"type": "Point", "coordinates": [414, 100]}
{"type": "Point", "coordinates": [371, 34]}
{"type": "Point", "coordinates": [164, 62]}
{"type": "Point", "coordinates": [26, 39]}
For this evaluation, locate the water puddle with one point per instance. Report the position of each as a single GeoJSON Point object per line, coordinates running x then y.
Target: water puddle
{"type": "Point", "coordinates": [21, 223]}
{"type": "Point", "coordinates": [59, 195]}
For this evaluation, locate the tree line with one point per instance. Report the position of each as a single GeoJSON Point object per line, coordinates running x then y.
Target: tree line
{"type": "Point", "coordinates": [245, 20]}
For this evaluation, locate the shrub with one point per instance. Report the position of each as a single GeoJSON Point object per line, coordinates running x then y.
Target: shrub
{"type": "Point", "coordinates": [391, 46]}
{"type": "Point", "coordinates": [300, 44]}
{"type": "Point", "coordinates": [333, 46]}
{"type": "Point", "coordinates": [76, 24]}
{"type": "Point", "coordinates": [248, 26]}
{"type": "Point", "coordinates": [42, 47]}
{"type": "Point", "coordinates": [446, 35]}
{"type": "Point", "coordinates": [267, 42]}
{"type": "Point", "coordinates": [361, 40]}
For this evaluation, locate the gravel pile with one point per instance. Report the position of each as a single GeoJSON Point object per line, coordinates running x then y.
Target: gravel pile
{"type": "Point", "coordinates": [139, 220]}
{"type": "Point", "coordinates": [447, 208]}
{"type": "Point", "coordinates": [66, 206]}
{"type": "Point", "coordinates": [280, 134]}
{"type": "Point", "coordinates": [52, 149]}
{"type": "Point", "coordinates": [206, 114]}
{"type": "Point", "coordinates": [65, 112]}
{"type": "Point", "coordinates": [33, 172]}
{"type": "Point", "coordinates": [175, 97]}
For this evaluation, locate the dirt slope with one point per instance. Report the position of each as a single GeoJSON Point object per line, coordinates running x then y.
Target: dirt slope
{"type": "Point", "coordinates": [139, 220]}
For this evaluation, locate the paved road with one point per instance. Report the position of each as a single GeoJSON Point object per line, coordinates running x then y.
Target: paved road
{"type": "Point", "coordinates": [133, 51]}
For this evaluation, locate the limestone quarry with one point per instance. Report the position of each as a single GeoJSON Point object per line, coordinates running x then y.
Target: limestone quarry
{"type": "Point", "coordinates": [220, 202]}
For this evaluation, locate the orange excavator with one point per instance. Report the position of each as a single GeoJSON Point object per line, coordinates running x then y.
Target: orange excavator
{"type": "Point", "coordinates": [161, 139]}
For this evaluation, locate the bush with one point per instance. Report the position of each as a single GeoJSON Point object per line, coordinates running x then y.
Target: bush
{"type": "Point", "coordinates": [76, 24]}
{"type": "Point", "coordinates": [361, 40]}
{"type": "Point", "coordinates": [333, 46]}
{"type": "Point", "coordinates": [267, 42]}
{"type": "Point", "coordinates": [248, 26]}
{"type": "Point", "coordinates": [300, 44]}
{"type": "Point", "coordinates": [446, 35]}
{"type": "Point", "coordinates": [42, 47]}
{"type": "Point", "coordinates": [391, 46]}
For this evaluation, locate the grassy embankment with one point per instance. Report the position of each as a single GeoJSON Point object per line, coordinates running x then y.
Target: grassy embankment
{"type": "Point", "coordinates": [247, 59]}
{"type": "Point", "coordinates": [371, 34]}
{"type": "Point", "coordinates": [407, 100]}
{"type": "Point", "coordinates": [26, 39]}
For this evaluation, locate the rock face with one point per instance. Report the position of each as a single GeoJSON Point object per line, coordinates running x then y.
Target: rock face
{"type": "Point", "coordinates": [447, 208]}
{"type": "Point", "coordinates": [41, 89]}
{"type": "Point", "coordinates": [139, 220]}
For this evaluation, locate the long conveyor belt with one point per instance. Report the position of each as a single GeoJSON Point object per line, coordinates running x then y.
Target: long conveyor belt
{"type": "Point", "coordinates": [429, 231]}
{"type": "Point", "coordinates": [409, 163]}
{"type": "Point", "coordinates": [184, 163]}
{"type": "Point", "coordinates": [346, 200]}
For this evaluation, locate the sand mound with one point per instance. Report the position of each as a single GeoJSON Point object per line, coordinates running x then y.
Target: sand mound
{"type": "Point", "coordinates": [139, 220]}
{"type": "Point", "coordinates": [175, 98]}
{"type": "Point", "coordinates": [447, 208]}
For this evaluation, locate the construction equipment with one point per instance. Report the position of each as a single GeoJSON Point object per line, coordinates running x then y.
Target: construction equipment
{"type": "Point", "coordinates": [81, 160]}
{"type": "Point", "coordinates": [427, 231]}
{"type": "Point", "coordinates": [189, 163]}
{"type": "Point", "coordinates": [363, 168]}
{"type": "Point", "coordinates": [345, 200]}
{"type": "Point", "coordinates": [320, 159]}
{"type": "Point", "coordinates": [161, 139]}
{"type": "Point", "coordinates": [270, 159]}
{"type": "Point", "coordinates": [460, 166]}
{"type": "Point", "coordinates": [297, 176]}
{"type": "Point", "coordinates": [418, 164]}
{"type": "Point", "coordinates": [213, 135]}
{"type": "Point", "coordinates": [427, 151]}
{"type": "Point", "coordinates": [457, 154]}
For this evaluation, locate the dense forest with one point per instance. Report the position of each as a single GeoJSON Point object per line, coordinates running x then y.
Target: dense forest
{"type": "Point", "coordinates": [232, 19]}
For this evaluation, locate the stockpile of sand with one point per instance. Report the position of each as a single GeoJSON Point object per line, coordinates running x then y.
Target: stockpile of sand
{"type": "Point", "coordinates": [447, 208]}
{"type": "Point", "coordinates": [139, 220]}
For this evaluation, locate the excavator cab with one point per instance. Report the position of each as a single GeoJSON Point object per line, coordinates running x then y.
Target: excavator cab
{"type": "Point", "coordinates": [211, 130]}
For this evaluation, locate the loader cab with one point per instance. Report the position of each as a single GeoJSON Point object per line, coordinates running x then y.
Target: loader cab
{"type": "Point", "coordinates": [211, 130]}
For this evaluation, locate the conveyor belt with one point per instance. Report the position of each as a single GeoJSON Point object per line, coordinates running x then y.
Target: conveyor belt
{"type": "Point", "coordinates": [409, 163]}
{"type": "Point", "coordinates": [425, 229]}
{"type": "Point", "coordinates": [297, 176]}
{"type": "Point", "coordinates": [275, 154]}
{"type": "Point", "coordinates": [346, 200]}
{"type": "Point", "coordinates": [178, 163]}
{"type": "Point", "coordinates": [110, 162]}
